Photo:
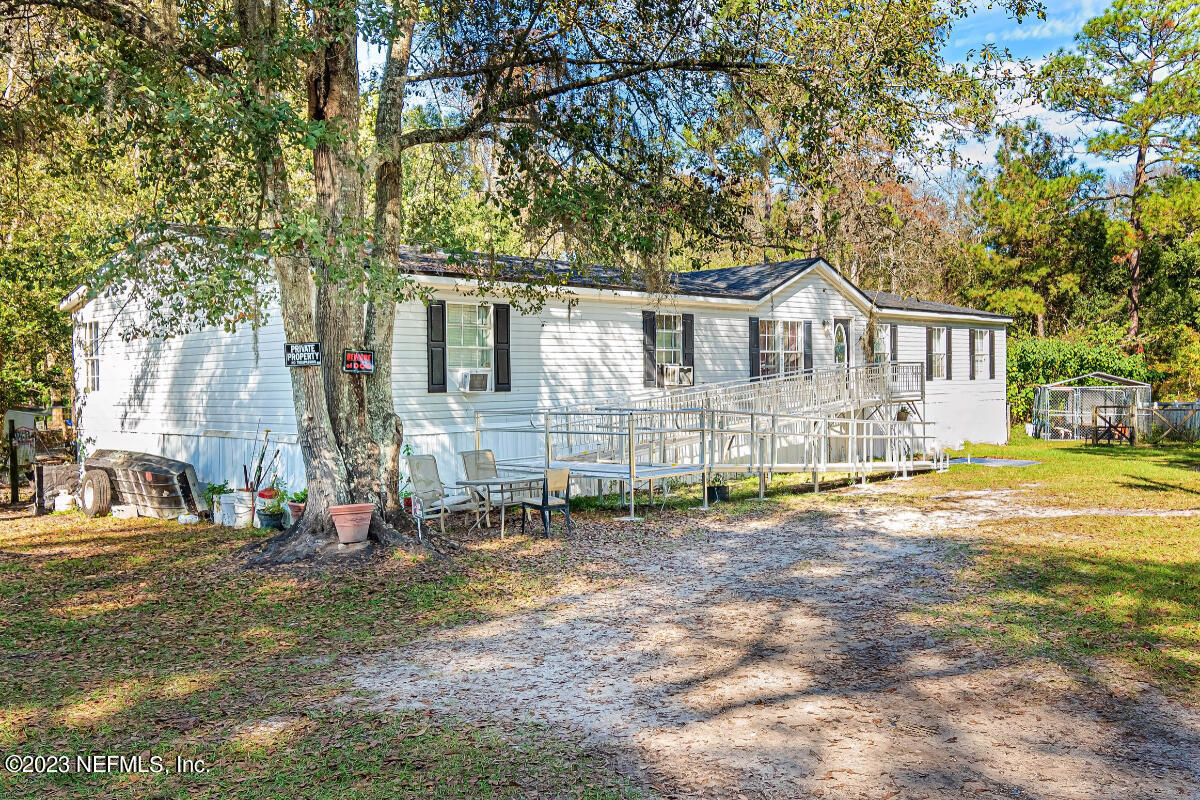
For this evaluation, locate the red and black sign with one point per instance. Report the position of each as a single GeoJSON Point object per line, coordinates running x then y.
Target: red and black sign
{"type": "Point", "coordinates": [361, 362]}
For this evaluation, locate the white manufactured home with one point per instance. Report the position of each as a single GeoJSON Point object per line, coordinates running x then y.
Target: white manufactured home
{"type": "Point", "coordinates": [206, 397]}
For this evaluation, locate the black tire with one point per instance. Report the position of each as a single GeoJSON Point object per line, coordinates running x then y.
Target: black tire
{"type": "Point", "coordinates": [95, 493]}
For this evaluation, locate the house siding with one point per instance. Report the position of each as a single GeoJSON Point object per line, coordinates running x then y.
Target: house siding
{"type": "Point", "coordinates": [962, 410]}
{"type": "Point", "coordinates": [207, 397]}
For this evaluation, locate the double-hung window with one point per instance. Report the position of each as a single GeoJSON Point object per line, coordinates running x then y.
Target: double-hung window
{"type": "Point", "coordinates": [980, 366]}
{"type": "Point", "coordinates": [937, 352]}
{"type": "Point", "coordinates": [780, 346]}
{"type": "Point", "coordinates": [89, 350]}
{"type": "Point", "coordinates": [883, 344]}
{"type": "Point", "coordinates": [668, 344]}
{"type": "Point", "coordinates": [468, 336]}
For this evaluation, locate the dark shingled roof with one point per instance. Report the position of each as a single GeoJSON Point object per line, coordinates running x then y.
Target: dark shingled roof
{"type": "Point", "coordinates": [895, 302]}
{"type": "Point", "coordinates": [746, 282]}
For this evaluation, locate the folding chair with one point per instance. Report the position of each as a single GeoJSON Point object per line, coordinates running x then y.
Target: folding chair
{"type": "Point", "coordinates": [429, 494]}
{"type": "Point", "coordinates": [556, 480]}
{"type": "Point", "coordinates": [481, 465]}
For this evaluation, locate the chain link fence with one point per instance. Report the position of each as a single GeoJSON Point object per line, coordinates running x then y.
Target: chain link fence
{"type": "Point", "coordinates": [1069, 413]}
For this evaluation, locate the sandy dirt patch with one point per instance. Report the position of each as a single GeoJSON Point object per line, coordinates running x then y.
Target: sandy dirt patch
{"type": "Point", "coordinates": [773, 659]}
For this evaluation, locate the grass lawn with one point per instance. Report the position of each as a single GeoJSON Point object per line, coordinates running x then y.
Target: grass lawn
{"type": "Point", "coordinates": [1083, 590]}
{"type": "Point", "coordinates": [1079, 475]}
{"type": "Point", "coordinates": [140, 637]}
{"type": "Point", "coordinates": [1090, 588]}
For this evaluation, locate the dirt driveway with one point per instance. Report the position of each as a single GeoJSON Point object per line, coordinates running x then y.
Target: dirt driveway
{"type": "Point", "coordinates": [774, 659]}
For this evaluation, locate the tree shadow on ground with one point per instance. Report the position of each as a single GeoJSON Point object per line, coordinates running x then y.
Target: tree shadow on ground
{"type": "Point", "coordinates": [782, 658]}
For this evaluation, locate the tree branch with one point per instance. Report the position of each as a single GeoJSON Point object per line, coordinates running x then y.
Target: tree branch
{"type": "Point", "coordinates": [126, 17]}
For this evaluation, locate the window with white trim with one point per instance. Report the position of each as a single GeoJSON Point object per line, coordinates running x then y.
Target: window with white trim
{"type": "Point", "coordinates": [982, 355]}
{"type": "Point", "coordinates": [937, 356]}
{"type": "Point", "coordinates": [468, 336]}
{"type": "Point", "coordinates": [668, 342]}
{"type": "Point", "coordinates": [89, 351]}
{"type": "Point", "coordinates": [883, 344]}
{"type": "Point", "coordinates": [780, 346]}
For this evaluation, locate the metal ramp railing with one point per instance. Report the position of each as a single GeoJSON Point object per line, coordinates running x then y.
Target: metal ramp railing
{"type": "Point", "coordinates": [808, 422]}
{"type": "Point", "coordinates": [826, 389]}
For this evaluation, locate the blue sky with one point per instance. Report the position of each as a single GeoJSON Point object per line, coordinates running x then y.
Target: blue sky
{"type": "Point", "coordinates": [1032, 39]}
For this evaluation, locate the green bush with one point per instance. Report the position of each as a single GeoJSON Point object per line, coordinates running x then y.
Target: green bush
{"type": "Point", "coordinates": [1032, 362]}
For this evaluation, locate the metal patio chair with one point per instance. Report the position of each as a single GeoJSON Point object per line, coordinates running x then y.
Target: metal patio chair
{"type": "Point", "coordinates": [556, 481]}
{"type": "Point", "coordinates": [481, 465]}
{"type": "Point", "coordinates": [429, 494]}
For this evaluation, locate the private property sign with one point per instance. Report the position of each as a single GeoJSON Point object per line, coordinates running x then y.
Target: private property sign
{"type": "Point", "coordinates": [302, 354]}
{"type": "Point", "coordinates": [358, 361]}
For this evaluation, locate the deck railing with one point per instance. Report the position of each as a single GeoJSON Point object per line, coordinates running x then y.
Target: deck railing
{"type": "Point", "coordinates": [826, 389]}
{"type": "Point", "coordinates": [803, 422]}
{"type": "Point", "coordinates": [645, 445]}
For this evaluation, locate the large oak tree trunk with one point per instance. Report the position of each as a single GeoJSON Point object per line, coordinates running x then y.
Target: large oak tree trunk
{"type": "Point", "coordinates": [348, 429]}
{"type": "Point", "coordinates": [386, 429]}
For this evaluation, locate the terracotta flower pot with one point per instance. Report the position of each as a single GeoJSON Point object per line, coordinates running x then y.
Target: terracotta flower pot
{"type": "Point", "coordinates": [352, 521]}
{"type": "Point", "coordinates": [295, 510]}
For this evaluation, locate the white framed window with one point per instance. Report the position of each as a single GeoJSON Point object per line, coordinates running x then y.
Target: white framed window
{"type": "Point", "coordinates": [468, 336]}
{"type": "Point", "coordinates": [89, 352]}
{"type": "Point", "coordinates": [981, 366]}
{"type": "Point", "coordinates": [668, 344]}
{"type": "Point", "coordinates": [883, 344]}
{"type": "Point", "coordinates": [937, 353]}
{"type": "Point", "coordinates": [780, 346]}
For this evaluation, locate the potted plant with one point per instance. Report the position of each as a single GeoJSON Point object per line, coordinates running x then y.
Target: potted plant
{"type": "Point", "coordinates": [295, 504]}
{"type": "Point", "coordinates": [213, 492]}
{"type": "Point", "coordinates": [718, 490]}
{"type": "Point", "coordinates": [352, 521]}
{"type": "Point", "coordinates": [270, 516]}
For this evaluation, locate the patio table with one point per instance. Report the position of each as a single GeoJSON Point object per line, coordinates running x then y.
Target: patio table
{"type": "Point", "coordinates": [505, 486]}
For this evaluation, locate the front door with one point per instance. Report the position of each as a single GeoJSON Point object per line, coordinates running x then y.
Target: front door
{"type": "Point", "coordinates": [841, 342]}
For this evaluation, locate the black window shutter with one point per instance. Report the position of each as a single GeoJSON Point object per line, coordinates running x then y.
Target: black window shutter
{"type": "Point", "coordinates": [755, 366]}
{"type": "Point", "coordinates": [649, 359]}
{"type": "Point", "coordinates": [501, 363]}
{"type": "Point", "coordinates": [971, 352]}
{"type": "Point", "coordinates": [949, 353]}
{"type": "Point", "coordinates": [895, 333]}
{"type": "Point", "coordinates": [808, 344]}
{"type": "Point", "coordinates": [928, 353]}
{"type": "Point", "coordinates": [992, 355]}
{"type": "Point", "coordinates": [689, 340]}
{"type": "Point", "coordinates": [435, 315]}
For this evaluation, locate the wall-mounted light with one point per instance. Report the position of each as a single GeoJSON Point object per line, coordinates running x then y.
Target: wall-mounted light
{"type": "Point", "coordinates": [825, 328]}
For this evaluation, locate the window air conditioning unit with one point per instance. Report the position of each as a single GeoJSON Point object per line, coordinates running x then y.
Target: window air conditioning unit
{"type": "Point", "coordinates": [675, 375]}
{"type": "Point", "coordinates": [476, 381]}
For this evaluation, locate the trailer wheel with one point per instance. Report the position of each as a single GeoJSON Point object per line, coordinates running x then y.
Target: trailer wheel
{"type": "Point", "coordinates": [96, 493]}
